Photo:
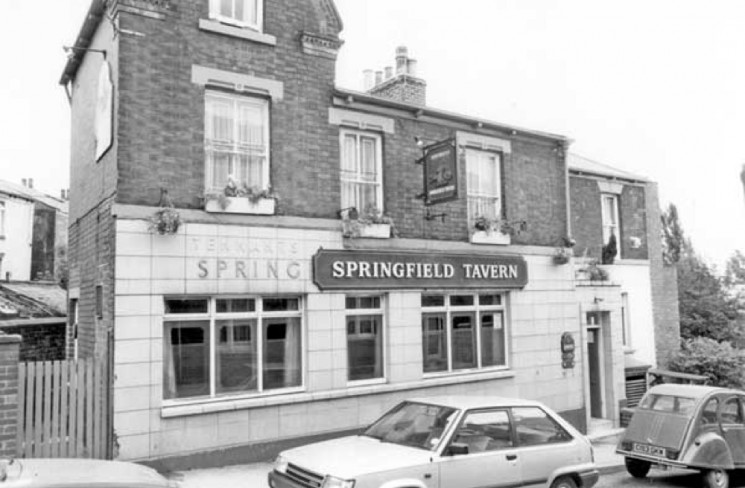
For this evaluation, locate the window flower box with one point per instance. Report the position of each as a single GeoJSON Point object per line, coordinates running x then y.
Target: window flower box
{"type": "Point", "coordinates": [493, 238]}
{"type": "Point", "coordinates": [242, 205]}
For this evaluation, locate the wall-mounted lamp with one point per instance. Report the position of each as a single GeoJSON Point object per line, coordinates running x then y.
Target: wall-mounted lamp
{"type": "Point", "coordinates": [352, 213]}
{"type": "Point", "coordinates": [597, 300]}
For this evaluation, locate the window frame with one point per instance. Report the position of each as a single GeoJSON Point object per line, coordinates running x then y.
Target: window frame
{"type": "Point", "coordinates": [616, 220]}
{"type": "Point", "coordinates": [515, 428]}
{"type": "Point", "coordinates": [498, 192]}
{"type": "Point", "coordinates": [361, 312]}
{"type": "Point", "coordinates": [343, 133]}
{"type": "Point", "coordinates": [213, 317]}
{"type": "Point", "coordinates": [214, 13]}
{"type": "Point", "coordinates": [264, 105]}
{"type": "Point", "coordinates": [477, 309]}
{"type": "Point", "coordinates": [453, 435]}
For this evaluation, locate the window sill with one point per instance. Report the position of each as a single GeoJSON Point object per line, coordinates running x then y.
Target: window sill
{"type": "Point", "coordinates": [239, 32]}
{"type": "Point", "coordinates": [490, 238]}
{"type": "Point", "coordinates": [285, 397]}
{"type": "Point", "coordinates": [360, 383]}
{"type": "Point", "coordinates": [240, 205]}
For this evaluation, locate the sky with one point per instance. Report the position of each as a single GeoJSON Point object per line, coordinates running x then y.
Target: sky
{"type": "Point", "coordinates": [653, 87]}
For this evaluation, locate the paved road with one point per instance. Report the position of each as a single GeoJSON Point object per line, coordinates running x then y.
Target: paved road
{"type": "Point", "coordinates": [663, 479]}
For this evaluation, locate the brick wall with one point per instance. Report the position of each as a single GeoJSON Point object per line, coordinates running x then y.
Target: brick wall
{"type": "Point", "coordinates": [587, 219]}
{"type": "Point", "coordinates": [162, 118]}
{"type": "Point", "coordinates": [633, 215]}
{"type": "Point", "coordinates": [8, 394]}
{"type": "Point", "coordinates": [403, 88]}
{"type": "Point", "coordinates": [40, 342]}
{"type": "Point", "coordinates": [664, 285]}
{"type": "Point", "coordinates": [91, 261]}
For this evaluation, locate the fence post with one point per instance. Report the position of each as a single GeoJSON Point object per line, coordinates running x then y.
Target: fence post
{"type": "Point", "coordinates": [9, 347]}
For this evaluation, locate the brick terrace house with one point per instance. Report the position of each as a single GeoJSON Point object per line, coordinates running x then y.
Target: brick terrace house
{"type": "Point", "coordinates": [269, 317]}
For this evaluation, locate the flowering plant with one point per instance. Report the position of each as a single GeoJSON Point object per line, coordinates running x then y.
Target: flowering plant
{"type": "Point", "coordinates": [372, 215]}
{"type": "Point", "coordinates": [254, 194]}
{"type": "Point", "coordinates": [165, 220]}
{"type": "Point", "coordinates": [489, 225]}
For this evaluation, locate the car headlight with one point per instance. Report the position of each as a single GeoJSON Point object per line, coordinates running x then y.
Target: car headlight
{"type": "Point", "coordinates": [280, 465]}
{"type": "Point", "coordinates": [334, 482]}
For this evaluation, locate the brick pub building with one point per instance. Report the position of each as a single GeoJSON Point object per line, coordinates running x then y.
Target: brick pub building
{"type": "Point", "coordinates": [270, 317]}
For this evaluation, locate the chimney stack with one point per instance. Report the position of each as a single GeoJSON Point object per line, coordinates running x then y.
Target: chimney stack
{"type": "Point", "coordinates": [23, 182]}
{"type": "Point", "coordinates": [402, 56]}
{"type": "Point", "coordinates": [369, 77]}
{"type": "Point", "coordinates": [401, 85]}
{"type": "Point", "coordinates": [30, 182]}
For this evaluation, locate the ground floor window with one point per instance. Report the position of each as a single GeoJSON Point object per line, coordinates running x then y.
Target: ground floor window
{"type": "Point", "coordinates": [231, 346]}
{"type": "Point", "coordinates": [463, 331]}
{"type": "Point", "coordinates": [364, 337]}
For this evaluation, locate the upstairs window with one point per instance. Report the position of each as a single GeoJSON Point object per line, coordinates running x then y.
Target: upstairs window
{"type": "Point", "coordinates": [483, 185]}
{"type": "Point", "coordinates": [361, 170]}
{"type": "Point", "coordinates": [236, 141]}
{"type": "Point", "coordinates": [243, 13]}
{"type": "Point", "coordinates": [611, 225]}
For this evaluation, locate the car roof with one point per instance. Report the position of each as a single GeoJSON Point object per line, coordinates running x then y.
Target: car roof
{"type": "Point", "coordinates": [690, 391]}
{"type": "Point", "coordinates": [469, 402]}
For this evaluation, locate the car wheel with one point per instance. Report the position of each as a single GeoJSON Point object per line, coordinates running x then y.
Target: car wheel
{"type": "Point", "coordinates": [564, 482]}
{"type": "Point", "coordinates": [716, 478]}
{"type": "Point", "coordinates": [637, 468]}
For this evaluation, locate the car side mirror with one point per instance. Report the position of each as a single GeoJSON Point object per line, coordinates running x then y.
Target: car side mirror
{"type": "Point", "coordinates": [457, 449]}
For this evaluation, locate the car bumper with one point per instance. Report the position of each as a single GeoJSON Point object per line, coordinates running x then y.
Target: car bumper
{"type": "Point", "coordinates": [589, 478]}
{"type": "Point", "coordinates": [652, 459]}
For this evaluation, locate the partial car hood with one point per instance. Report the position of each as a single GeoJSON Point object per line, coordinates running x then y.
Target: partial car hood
{"type": "Point", "coordinates": [353, 456]}
{"type": "Point", "coordinates": [74, 472]}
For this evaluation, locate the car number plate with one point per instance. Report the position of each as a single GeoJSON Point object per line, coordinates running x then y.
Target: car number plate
{"type": "Point", "coordinates": [651, 450]}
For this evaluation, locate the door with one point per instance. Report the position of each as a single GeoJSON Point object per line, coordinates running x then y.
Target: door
{"type": "Point", "coordinates": [487, 455]}
{"type": "Point", "coordinates": [595, 372]}
{"type": "Point", "coordinates": [732, 422]}
{"type": "Point", "coordinates": [543, 445]}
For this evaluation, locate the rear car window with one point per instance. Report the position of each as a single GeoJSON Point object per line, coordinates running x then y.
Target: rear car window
{"type": "Point", "coordinates": [668, 403]}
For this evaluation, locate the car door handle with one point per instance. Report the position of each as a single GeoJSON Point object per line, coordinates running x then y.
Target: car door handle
{"type": "Point", "coordinates": [511, 457]}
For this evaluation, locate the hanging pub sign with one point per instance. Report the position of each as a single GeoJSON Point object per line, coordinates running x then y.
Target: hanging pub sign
{"type": "Point", "coordinates": [349, 269]}
{"type": "Point", "coordinates": [440, 172]}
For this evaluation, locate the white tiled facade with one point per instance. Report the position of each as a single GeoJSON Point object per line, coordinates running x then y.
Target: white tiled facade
{"type": "Point", "coordinates": [150, 267]}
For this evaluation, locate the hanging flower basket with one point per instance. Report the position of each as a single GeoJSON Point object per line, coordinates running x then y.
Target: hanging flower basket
{"type": "Point", "coordinates": [165, 221]}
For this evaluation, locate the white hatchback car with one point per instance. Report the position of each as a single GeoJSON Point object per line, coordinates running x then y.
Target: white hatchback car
{"type": "Point", "coordinates": [447, 442]}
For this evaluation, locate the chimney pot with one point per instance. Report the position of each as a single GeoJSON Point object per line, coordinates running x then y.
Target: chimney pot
{"type": "Point", "coordinates": [378, 77]}
{"type": "Point", "coordinates": [369, 79]}
{"type": "Point", "coordinates": [30, 182]}
{"type": "Point", "coordinates": [388, 72]}
{"type": "Point", "coordinates": [402, 54]}
{"type": "Point", "coordinates": [23, 182]}
{"type": "Point", "coordinates": [411, 66]}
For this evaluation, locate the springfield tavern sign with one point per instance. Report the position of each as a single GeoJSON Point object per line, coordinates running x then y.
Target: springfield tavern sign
{"type": "Point", "coordinates": [341, 270]}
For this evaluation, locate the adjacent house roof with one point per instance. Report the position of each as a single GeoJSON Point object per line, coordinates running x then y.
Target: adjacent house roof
{"type": "Point", "coordinates": [33, 195]}
{"type": "Point", "coordinates": [31, 300]}
{"type": "Point", "coordinates": [580, 164]}
{"type": "Point", "coordinates": [443, 114]}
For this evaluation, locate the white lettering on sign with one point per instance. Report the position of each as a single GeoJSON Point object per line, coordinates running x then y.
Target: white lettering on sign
{"type": "Point", "coordinates": [375, 269]}
{"type": "Point", "coordinates": [490, 271]}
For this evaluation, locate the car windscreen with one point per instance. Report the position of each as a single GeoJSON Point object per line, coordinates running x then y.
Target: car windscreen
{"type": "Point", "coordinates": [413, 424]}
{"type": "Point", "coordinates": [668, 403]}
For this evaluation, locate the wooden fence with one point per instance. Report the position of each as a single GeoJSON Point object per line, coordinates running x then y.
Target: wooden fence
{"type": "Point", "coordinates": [63, 409]}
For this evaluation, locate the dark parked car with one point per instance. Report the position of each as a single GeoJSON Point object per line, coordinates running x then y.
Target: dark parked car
{"type": "Point", "coordinates": [687, 426]}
